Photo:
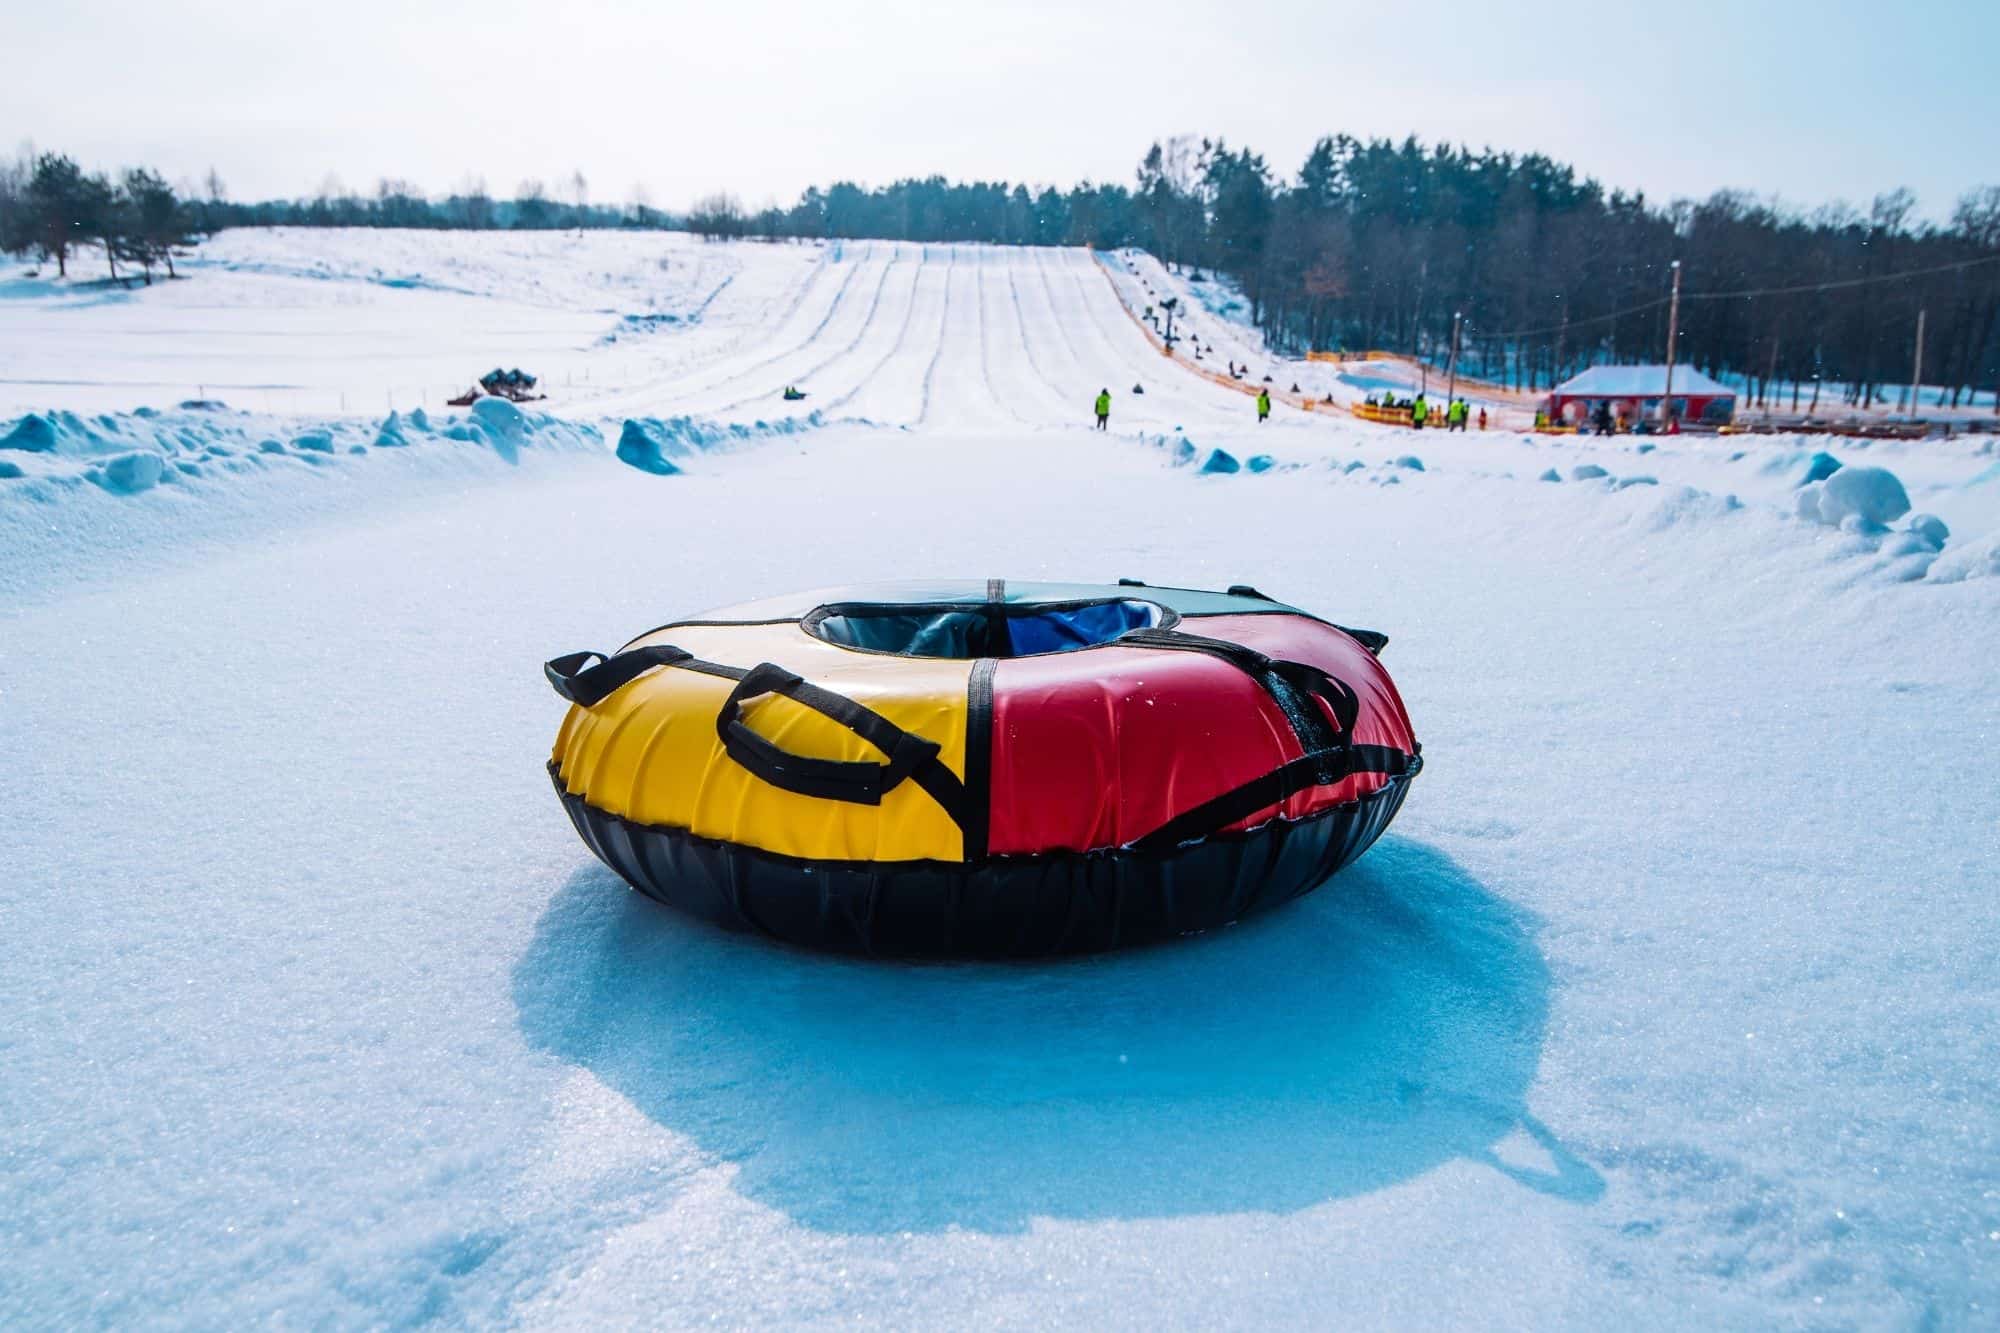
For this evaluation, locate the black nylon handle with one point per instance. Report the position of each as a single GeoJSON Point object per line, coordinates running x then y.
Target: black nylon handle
{"type": "Point", "coordinates": [857, 781]}
{"type": "Point", "coordinates": [572, 676]}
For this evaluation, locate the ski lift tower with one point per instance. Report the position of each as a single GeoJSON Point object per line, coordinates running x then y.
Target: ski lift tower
{"type": "Point", "coordinates": [1168, 305]}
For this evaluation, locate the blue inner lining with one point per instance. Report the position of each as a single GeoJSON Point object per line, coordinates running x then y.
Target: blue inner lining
{"type": "Point", "coordinates": [987, 630]}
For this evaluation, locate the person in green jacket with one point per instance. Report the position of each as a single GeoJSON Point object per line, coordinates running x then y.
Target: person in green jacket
{"type": "Point", "coordinates": [1263, 405]}
{"type": "Point", "coordinates": [1419, 410]}
{"type": "Point", "coordinates": [1103, 409]}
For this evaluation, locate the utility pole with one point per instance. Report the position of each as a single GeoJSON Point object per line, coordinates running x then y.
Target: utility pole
{"type": "Point", "coordinates": [1673, 330]}
{"type": "Point", "coordinates": [1917, 369]}
{"type": "Point", "coordinates": [1451, 362]}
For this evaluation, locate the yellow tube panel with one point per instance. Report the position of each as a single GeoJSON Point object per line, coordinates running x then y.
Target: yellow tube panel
{"type": "Point", "coordinates": [649, 752]}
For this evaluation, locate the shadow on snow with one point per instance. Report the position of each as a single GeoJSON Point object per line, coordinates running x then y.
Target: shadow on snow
{"type": "Point", "coordinates": [1358, 1037]}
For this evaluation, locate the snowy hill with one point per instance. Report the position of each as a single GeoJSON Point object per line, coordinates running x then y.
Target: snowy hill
{"type": "Point", "coordinates": [1668, 1000]}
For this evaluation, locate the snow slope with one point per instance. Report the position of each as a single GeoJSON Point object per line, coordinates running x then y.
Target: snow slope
{"type": "Point", "coordinates": [1669, 1001]}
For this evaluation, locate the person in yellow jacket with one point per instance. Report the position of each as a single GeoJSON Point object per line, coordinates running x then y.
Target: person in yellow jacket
{"type": "Point", "coordinates": [1419, 412]}
{"type": "Point", "coordinates": [1263, 405]}
{"type": "Point", "coordinates": [1103, 409]}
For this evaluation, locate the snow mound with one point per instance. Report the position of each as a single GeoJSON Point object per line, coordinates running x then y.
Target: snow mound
{"type": "Point", "coordinates": [1220, 462]}
{"type": "Point", "coordinates": [1870, 496]}
{"type": "Point", "coordinates": [1587, 472]}
{"type": "Point", "coordinates": [1981, 561]}
{"type": "Point", "coordinates": [501, 425]}
{"type": "Point", "coordinates": [644, 445]}
{"type": "Point", "coordinates": [32, 434]}
{"type": "Point", "coordinates": [128, 474]}
{"type": "Point", "coordinates": [1929, 527]}
{"type": "Point", "coordinates": [1261, 463]}
{"type": "Point", "coordinates": [1410, 461]}
{"type": "Point", "coordinates": [1819, 467]}
{"type": "Point", "coordinates": [1550, 474]}
{"type": "Point", "coordinates": [391, 436]}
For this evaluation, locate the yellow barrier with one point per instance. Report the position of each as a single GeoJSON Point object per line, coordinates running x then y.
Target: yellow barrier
{"type": "Point", "coordinates": [1386, 416]}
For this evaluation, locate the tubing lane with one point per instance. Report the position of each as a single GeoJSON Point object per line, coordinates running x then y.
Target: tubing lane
{"type": "Point", "coordinates": [876, 377]}
{"type": "Point", "coordinates": [979, 286]}
{"type": "Point", "coordinates": [824, 366]}
{"type": "Point", "coordinates": [943, 337]}
{"type": "Point", "coordinates": [720, 371]}
{"type": "Point", "coordinates": [1057, 407]}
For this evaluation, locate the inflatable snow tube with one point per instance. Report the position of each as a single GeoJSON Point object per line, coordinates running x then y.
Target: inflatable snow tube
{"type": "Point", "coordinates": [983, 770]}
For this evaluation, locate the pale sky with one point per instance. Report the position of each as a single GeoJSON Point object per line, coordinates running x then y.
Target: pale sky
{"type": "Point", "coordinates": [1811, 99]}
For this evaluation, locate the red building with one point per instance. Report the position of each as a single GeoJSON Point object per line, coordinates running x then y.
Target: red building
{"type": "Point", "coordinates": [1634, 393]}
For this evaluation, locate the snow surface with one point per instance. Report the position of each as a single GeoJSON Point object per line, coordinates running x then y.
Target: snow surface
{"type": "Point", "coordinates": [1669, 1001]}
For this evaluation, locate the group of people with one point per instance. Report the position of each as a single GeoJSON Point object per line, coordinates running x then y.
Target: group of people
{"type": "Point", "coordinates": [1454, 415]}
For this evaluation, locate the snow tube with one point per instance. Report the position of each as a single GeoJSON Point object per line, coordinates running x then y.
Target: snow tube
{"type": "Point", "coordinates": [983, 770]}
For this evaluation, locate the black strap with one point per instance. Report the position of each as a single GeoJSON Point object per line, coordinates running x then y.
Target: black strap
{"type": "Point", "coordinates": [862, 782]}
{"type": "Point", "coordinates": [1329, 752]}
{"type": "Point", "coordinates": [1291, 685]}
{"type": "Point", "coordinates": [1274, 788]}
{"type": "Point", "coordinates": [585, 685]}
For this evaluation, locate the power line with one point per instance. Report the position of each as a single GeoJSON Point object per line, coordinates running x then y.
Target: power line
{"type": "Point", "coordinates": [1843, 283]}
{"type": "Point", "coordinates": [1839, 284]}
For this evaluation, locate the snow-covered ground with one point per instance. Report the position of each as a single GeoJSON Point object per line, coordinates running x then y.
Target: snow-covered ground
{"type": "Point", "coordinates": [1670, 1000]}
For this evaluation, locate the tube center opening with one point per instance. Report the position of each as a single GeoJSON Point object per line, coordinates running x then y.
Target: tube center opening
{"type": "Point", "coordinates": [982, 629]}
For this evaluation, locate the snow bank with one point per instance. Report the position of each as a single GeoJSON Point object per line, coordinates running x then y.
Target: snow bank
{"type": "Point", "coordinates": [203, 449]}
{"type": "Point", "coordinates": [651, 444]}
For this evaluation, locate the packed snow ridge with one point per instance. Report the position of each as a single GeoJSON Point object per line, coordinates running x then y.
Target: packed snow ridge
{"type": "Point", "coordinates": [51, 454]}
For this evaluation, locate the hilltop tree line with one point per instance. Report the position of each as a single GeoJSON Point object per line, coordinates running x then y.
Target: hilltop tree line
{"type": "Point", "coordinates": [1369, 244]}
{"type": "Point", "coordinates": [1378, 244]}
{"type": "Point", "coordinates": [49, 206]}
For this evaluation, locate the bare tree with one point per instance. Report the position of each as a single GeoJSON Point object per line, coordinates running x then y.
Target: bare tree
{"type": "Point", "coordinates": [717, 217]}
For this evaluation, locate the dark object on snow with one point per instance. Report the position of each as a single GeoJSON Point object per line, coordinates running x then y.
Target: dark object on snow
{"type": "Point", "coordinates": [979, 781]}
{"type": "Point", "coordinates": [1138, 388]}
{"type": "Point", "coordinates": [515, 385]}
{"type": "Point", "coordinates": [793, 395]}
